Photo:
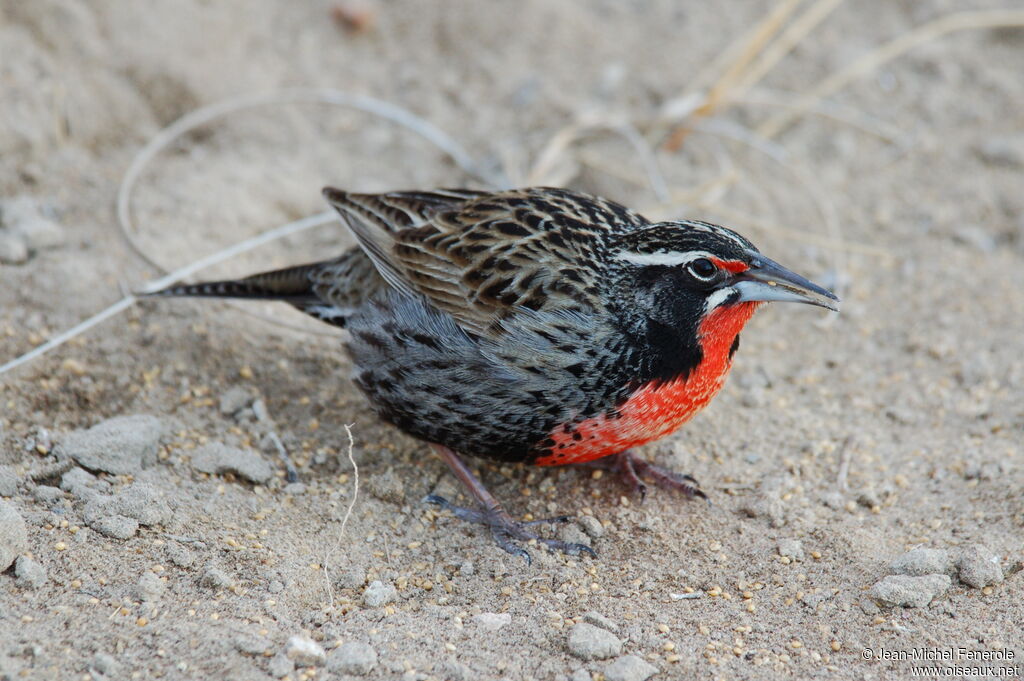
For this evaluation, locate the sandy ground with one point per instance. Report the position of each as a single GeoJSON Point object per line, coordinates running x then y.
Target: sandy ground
{"type": "Point", "coordinates": [837, 445]}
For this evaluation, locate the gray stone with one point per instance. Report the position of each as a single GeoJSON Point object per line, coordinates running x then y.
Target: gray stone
{"type": "Point", "coordinates": [79, 482]}
{"type": "Point", "coordinates": [215, 578]}
{"type": "Point", "coordinates": [352, 657]}
{"type": "Point", "coordinates": [217, 459]}
{"type": "Point", "coordinates": [29, 573]}
{"type": "Point", "coordinates": [305, 652]}
{"type": "Point", "coordinates": [149, 587]}
{"type": "Point", "coordinates": [115, 526]}
{"type": "Point", "coordinates": [1004, 150]}
{"type": "Point", "coordinates": [922, 561]}
{"type": "Point", "coordinates": [629, 668]}
{"type": "Point", "coordinates": [910, 592]}
{"type": "Point", "coordinates": [105, 664]}
{"type": "Point", "coordinates": [180, 556]}
{"type": "Point", "coordinates": [792, 548]}
{"type": "Point", "coordinates": [599, 620]}
{"type": "Point", "coordinates": [449, 670]}
{"type": "Point", "coordinates": [492, 621]}
{"type": "Point", "coordinates": [378, 594]}
{"type": "Point", "coordinates": [13, 535]}
{"type": "Point", "coordinates": [280, 666]}
{"type": "Point", "coordinates": [234, 400]}
{"type": "Point", "coordinates": [8, 481]}
{"type": "Point", "coordinates": [979, 567]}
{"type": "Point", "coordinates": [588, 642]}
{"type": "Point", "coordinates": [45, 494]}
{"type": "Point", "coordinates": [581, 674]}
{"type": "Point", "coordinates": [22, 216]}
{"type": "Point", "coordinates": [122, 445]}
{"type": "Point", "coordinates": [13, 249]}
{"type": "Point", "coordinates": [140, 501]}
{"type": "Point", "coordinates": [251, 645]}
{"type": "Point", "coordinates": [387, 486]}
{"type": "Point", "coordinates": [591, 525]}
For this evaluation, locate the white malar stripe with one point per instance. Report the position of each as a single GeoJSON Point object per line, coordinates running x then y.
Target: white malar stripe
{"type": "Point", "coordinates": [666, 258]}
{"type": "Point", "coordinates": [718, 297]}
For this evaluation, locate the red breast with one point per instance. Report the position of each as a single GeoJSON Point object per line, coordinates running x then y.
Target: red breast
{"type": "Point", "coordinates": [657, 408]}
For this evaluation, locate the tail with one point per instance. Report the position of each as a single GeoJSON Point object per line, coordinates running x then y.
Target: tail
{"type": "Point", "coordinates": [329, 290]}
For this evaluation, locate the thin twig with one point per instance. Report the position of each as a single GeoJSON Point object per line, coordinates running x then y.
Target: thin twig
{"type": "Point", "coordinates": [207, 114]}
{"type": "Point", "coordinates": [348, 514]}
{"type": "Point", "coordinates": [957, 21]}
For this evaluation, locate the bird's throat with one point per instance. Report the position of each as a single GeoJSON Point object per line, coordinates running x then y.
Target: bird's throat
{"type": "Point", "coordinates": [659, 407]}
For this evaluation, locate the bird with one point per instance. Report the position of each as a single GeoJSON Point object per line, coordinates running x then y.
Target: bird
{"type": "Point", "coordinates": [541, 326]}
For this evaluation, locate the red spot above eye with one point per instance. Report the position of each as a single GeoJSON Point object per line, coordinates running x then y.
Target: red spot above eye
{"type": "Point", "coordinates": [734, 266]}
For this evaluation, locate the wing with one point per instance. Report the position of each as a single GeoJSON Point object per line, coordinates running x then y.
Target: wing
{"type": "Point", "coordinates": [481, 256]}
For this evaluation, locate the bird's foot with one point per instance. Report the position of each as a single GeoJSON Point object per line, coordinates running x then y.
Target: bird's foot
{"type": "Point", "coordinates": [507, 531]}
{"type": "Point", "coordinates": [631, 468]}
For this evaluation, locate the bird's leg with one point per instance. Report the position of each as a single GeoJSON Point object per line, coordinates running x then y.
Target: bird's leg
{"type": "Point", "coordinates": [632, 468]}
{"type": "Point", "coordinates": [505, 529]}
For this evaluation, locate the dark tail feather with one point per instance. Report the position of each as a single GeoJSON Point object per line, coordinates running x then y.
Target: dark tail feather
{"type": "Point", "coordinates": [290, 285]}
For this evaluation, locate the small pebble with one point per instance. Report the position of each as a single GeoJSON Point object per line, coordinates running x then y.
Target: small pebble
{"type": "Point", "coordinates": [581, 674]}
{"type": "Point", "coordinates": [280, 666]}
{"type": "Point", "coordinates": [922, 561]}
{"type": "Point", "coordinates": [588, 642]}
{"type": "Point", "coordinates": [599, 620]}
{"type": "Point", "coordinates": [115, 526]}
{"type": "Point", "coordinates": [791, 548]}
{"type": "Point", "coordinates": [30, 574]}
{"type": "Point", "coordinates": [387, 486]}
{"type": "Point", "coordinates": [591, 525]}
{"type": "Point", "coordinates": [13, 248]}
{"type": "Point", "coordinates": [251, 645]}
{"type": "Point", "coordinates": [304, 652]}
{"type": "Point", "coordinates": [979, 567]}
{"type": "Point", "coordinates": [149, 587]}
{"type": "Point", "coordinates": [1003, 150]}
{"type": "Point", "coordinates": [179, 555]}
{"type": "Point", "coordinates": [140, 501]}
{"type": "Point", "coordinates": [79, 482]}
{"type": "Point", "coordinates": [215, 578]}
{"type": "Point", "coordinates": [45, 494]}
{"type": "Point", "coordinates": [276, 586]}
{"type": "Point", "coordinates": [23, 216]}
{"type": "Point", "coordinates": [910, 592]}
{"type": "Point", "coordinates": [629, 668]}
{"type": "Point", "coordinates": [9, 481]}
{"type": "Point", "coordinates": [352, 657]}
{"type": "Point", "coordinates": [492, 621]}
{"type": "Point", "coordinates": [13, 535]}
{"type": "Point", "coordinates": [105, 664]}
{"type": "Point", "coordinates": [234, 400]}
{"type": "Point", "coordinates": [378, 593]}
{"type": "Point", "coordinates": [122, 445]}
{"type": "Point", "coordinates": [216, 458]}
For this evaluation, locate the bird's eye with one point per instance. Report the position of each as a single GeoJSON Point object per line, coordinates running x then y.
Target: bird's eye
{"type": "Point", "coordinates": [702, 268]}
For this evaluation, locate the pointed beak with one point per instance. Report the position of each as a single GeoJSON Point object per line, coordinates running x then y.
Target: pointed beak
{"type": "Point", "coordinates": [767, 281]}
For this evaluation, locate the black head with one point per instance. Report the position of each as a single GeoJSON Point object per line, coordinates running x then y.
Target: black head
{"type": "Point", "coordinates": [667, 278]}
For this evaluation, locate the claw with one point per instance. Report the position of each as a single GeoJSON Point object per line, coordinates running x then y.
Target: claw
{"type": "Point", "coordinates": [507, 531]}
{"type": "Point", "coordinates": [631, 467]}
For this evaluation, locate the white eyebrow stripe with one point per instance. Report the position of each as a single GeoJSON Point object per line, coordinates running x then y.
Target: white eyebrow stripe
{"type": "Point", "coordinates": [667, 258]}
